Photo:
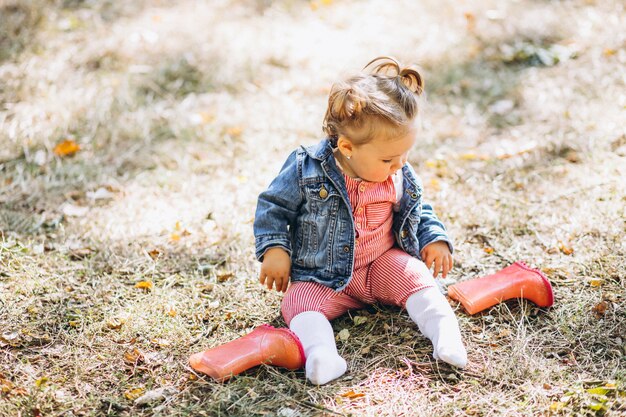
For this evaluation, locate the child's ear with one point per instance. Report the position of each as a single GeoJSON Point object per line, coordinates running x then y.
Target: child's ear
{"type": "Point", "coordinates": [345, 146]}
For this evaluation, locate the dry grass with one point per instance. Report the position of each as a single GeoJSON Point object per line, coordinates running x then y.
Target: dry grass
{"type": "Point", "coordinates": [184, 112]}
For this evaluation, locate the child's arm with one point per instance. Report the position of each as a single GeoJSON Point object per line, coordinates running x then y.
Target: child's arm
{"type": "Point", "coordinates": [435, 245]}
{"type": "Point", "coordinates": [276, 212]}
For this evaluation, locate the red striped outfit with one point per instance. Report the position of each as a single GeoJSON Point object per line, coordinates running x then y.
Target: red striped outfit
{"type": "Point", "coordinates": [382, 273]}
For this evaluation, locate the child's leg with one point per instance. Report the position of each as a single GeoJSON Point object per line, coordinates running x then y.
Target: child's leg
{"type": "Point", "coordinates": [307, 307]}
{"type": "Point", "coordinates": [323, 363]}
{"type": "Point", "coordinates": [399, 279]}
{"type": "Point", "coordinates": [430, 310]}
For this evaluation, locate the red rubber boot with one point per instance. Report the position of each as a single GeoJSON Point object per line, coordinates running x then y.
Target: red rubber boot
{"type": "Point", "coordinates": [514, 281]}
{"type": "Point", "coordinates": [265, 344]}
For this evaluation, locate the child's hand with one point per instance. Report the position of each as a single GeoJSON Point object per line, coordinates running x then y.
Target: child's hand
{"type": "Point", "coordinates": [275, 269]}
{"type": "Point", "coordinates": [438, 253]}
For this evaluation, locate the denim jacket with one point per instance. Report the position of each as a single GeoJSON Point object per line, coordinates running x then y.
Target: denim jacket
{"type": "Point", "coordinates": [306, 211]}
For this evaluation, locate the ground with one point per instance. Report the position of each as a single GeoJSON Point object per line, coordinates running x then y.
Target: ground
{"type": "Point", "coordinates": [131, 246]}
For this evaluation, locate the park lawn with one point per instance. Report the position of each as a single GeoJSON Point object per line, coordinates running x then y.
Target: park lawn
{"type": "Point", "coordinates": [136, 136]}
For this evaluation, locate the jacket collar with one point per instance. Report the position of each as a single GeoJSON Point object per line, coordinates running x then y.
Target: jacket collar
{"type": "Point", "coordinates": [321, 151]}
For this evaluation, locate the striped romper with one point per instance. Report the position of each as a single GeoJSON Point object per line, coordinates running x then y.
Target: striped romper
{"type": "Point", "coordinates": [382, 272]}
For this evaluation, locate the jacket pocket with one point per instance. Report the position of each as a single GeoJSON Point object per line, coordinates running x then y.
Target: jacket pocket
{"type": "Point", "coordinates": [307, 244]}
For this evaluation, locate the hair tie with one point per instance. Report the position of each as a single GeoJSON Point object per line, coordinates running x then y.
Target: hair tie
{"type": "Point", "coordinates": [409, 76]}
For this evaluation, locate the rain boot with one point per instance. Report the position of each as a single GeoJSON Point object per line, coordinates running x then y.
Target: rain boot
{"type": "Point", "coordinates": [514, 281]}
{"type": "Point", "coordinates": [265, 344]}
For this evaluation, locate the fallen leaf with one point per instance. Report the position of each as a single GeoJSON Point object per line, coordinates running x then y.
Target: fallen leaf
{"type": "Point", "coordinates": [174, 237]}
{"type": "Point", "coordinates": [596, 282]}
{"type": "Point", "coordinates": [557, 406]}
{"type": "Point", "coordinates": [565, 249]}
{"type": "Point", "coordinates": [156, 394]}
{"type": "Point", "coordinates": [133, 394]}
{"type": "Point", "coordinates": [161, 342]}
{"type": "Point", "coordinates": [116, 323]}
{"type": "Point", "coordinates": [154, 253]}
{"type": "Point", "coordinates": [146, 285]}
{"type": "Point", "coordinates": [359, 320]}
{"type": "Point", "coordinates": [352, 395]}
{"type": "Point", "coordinates": [468, 156]}
{"type": "Point", "coordinates": [344, 335]}
{"type": "Point", "coordinates": [488, 249]}
{"type": "Point", "coordinates": [225, 276]}
{"type": "Point", "coordinates": [600, 309]}
{"type": "Point", "coordinates": [66, 148]}
{"type": "Point", "coordinates": [134, 357]}
{"type": "Point", "coordinates": [609, 52]}
{"type": "Point", "coordinates": [81, 253]}
{"type": "Point", "coordinates": [41, 381]}
{"type": "Point", "coordinates": [234, 131]}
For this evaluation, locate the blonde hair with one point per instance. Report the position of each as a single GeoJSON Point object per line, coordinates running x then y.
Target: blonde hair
{"type": "Point", "coordinates": [373, 103]}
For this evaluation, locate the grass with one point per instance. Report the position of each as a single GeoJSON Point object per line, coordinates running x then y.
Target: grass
{"type": "Point", "coordinates": [184, 113]}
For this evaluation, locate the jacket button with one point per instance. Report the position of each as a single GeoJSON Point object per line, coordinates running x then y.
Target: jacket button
{"type": "Point", "coordinates": [414, 195]}
{"type": "Point", "coordinates": [323, 192]}
{"type": "Point", "coordinates": [403, 233]}
{"type": "Point", "coordinates": [346, 249]}
{"type": "Point", "coordinates": [340, 283]}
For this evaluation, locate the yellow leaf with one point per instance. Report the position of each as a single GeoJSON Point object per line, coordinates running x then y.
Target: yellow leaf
{"type": "Point", "coordinates": [596, 282]}
{"type": "Point", "coordinates": [172, 313]}
{"type": "Point", "coordinates": [66, 148]}
{"type": "Point", "coordinates": [177, 226]}
{"type": "Point", "coordinates": [609, 52]}
{"type": "Point", "coordinates": [41, 381]}
{"type": "Point", "coordinates": [234, 131]}
{"type": "Point", "coordinates": [556, 406]}
{"type": "Point", "coordinates": [468, 156]}
{"type": "Point", "coordinates": [435, 184]}
{"type": "Point", "coordinates": [74, 323]}
{"type": "Point", "coordinates": [116, 323]}
{"type": "Point", "coordinates": [133, 356]}
{"type": "Point", "coordinates": [488, 249]}
{"type": "Point", "coordinates": [565, 249]}
{"type": "Point", "coordinates": [351, 394]}
{"type": "Point", "coordinates": [146, 285]}
{"type": "Point", "coordinates": [430, 163]}
{"type": "Point", "coordinates": [133, 394]}
{"type": "Point", "coordinates": [174, 237]}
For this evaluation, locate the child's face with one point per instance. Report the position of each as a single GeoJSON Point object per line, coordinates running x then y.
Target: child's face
{"type": "Point", "coordinates": [376, 160]}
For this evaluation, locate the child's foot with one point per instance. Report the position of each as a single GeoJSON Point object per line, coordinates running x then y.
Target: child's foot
{"type": "Point", "coordinates": [323, 364]}
{"type": "Point", "coordinates": [435, 319]}
{"type": "Point", "coordinates": [450, 350]}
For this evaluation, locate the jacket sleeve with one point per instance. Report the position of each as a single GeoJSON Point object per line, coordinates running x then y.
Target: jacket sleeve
{"type": "Point", "coordinates": [431, 229]}
{"type": "Point", "coordinates": [277, 210]}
